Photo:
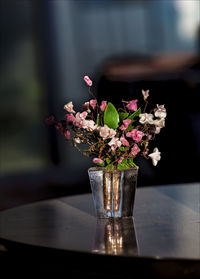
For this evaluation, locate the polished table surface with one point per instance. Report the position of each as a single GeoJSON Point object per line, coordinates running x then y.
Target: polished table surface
{"type": "Point", "coordinates": [165, 229]}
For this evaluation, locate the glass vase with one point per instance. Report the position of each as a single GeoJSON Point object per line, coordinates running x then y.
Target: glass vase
{"type": "Point", "coordinates": [113, 191]}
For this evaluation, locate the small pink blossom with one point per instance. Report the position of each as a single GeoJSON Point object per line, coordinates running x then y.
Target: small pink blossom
{"type": "Point", "coordinates": [79, 120]}
{"type": "Point", "coordinates": [67, 134]}
{"type": "Point", "coordinates": [135, 135]}
{"type": "Point", "coordinates": [125, 124]}
{"type": "Point", "coordinates": [103, 105]}
{"type": "Point", "coordinates": [69, 107]}
{"type": "Point", "coordinates": [113, 148]}
{"type": "Point", "coordinates": [83, 115]}
{"type": "Point", "coordinates": [149, 137]}
{"type": "Point", "coordinates": [93, 103]}
{"type": "Point", "coordinates": [120, 159]}
{"type": "Point", "coordinates": [124, 141]}
{"type": "Point", "coordinates": [87, 80]}
{"type": "Point", "coordinates": [145, 94]}
{"type": "Point", "coordinates": [97, 161]}
{"type": "Point", "coordinates": [69, 118]}
{"type": "Point", "coordinates": [132, 105]}
{"type": "Point", "coordinates": [50, 120]}
{"type": "Point", "coordinates": [135, 150]}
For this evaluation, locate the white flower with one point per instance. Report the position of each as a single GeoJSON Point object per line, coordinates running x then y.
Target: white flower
{"type": "Point", "coordinates": [155, 156]}
{"type": "Point", "coordinates": [112, 133]}
{"type": "Point", "coordinates": [77, 140]}
{"type": "Point", "coordinates": [115, 141]}
{"type": "Point", "coordinates": [89, 125]}
{"type": "Point", "coordinates": [160, 111]}
{"type": "Point", "coordinates": [145, 94]}
{"type": "Point", "coordinates": [105, 132]}
{"type": "Point", "coordinates": [157, 130]}
{"type": "Point", "coordinates": [146, 118]}
{"type": "Point", "coordinates": [69, 107]}
{"type": "Point", "coordinates": [159, 123]}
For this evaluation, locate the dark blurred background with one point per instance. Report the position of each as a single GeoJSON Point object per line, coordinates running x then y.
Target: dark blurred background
{"type": "Point", "coordinates": [124, 46]}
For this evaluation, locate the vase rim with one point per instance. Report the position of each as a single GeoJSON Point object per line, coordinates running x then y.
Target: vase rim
{"type": "Point", "coordinates": [115, 170]}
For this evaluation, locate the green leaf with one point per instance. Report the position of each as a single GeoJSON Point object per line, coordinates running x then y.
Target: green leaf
{"type": "Point", "coordinates": [111, 116]}
{"type": "Point", "coordinates": [121, 148]}
{"type": "Point", "coordinates": [108, 160]}
{"type": "Point", "coordinates": [123, 165]}
{"type": "Point", "coordinates": [136, 113]}
{"type": "Point", "coordinates": [97, 121]}
{"type": "Point", "coordinates": [109, 167]}
{"type": "Point", "coordinates": [123, 115]}
{"type": "Point", "coordinates": [112, 153]}
{"type": "Point", "coordinates": [130, 127]}
{"type": "Point", "coordinates": [131, 163]}
{"type": "Point", "coordinates": [100, 165]}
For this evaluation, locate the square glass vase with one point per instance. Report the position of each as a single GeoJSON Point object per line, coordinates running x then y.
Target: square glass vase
{"type": "Point", "coordinates": [113, 191]}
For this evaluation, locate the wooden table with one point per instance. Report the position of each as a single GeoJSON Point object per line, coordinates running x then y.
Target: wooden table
{"type": "Point", "coordinates": [63, 235]}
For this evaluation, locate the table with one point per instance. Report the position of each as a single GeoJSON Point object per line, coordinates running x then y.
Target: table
{"type": "Point", "coordinates": [63, 234]}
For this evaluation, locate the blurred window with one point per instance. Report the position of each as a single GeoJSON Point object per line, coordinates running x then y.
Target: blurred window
{"type": "Point", "coordinates": [23, 139]}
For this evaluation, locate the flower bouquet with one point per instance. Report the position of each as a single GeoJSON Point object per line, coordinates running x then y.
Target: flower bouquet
{"type": "Point", "coordinates": [113, 137]}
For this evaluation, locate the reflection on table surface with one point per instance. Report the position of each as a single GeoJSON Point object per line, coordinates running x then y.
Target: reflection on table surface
{"type": "Point", "coordinates": [115, 237]}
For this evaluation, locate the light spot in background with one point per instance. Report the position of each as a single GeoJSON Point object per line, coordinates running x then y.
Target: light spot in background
{"type": "Point", "coordinates": [189, 18]}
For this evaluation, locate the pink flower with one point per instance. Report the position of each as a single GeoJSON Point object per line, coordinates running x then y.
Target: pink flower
{"type": "Point", "coordinates": [135, 135]}
{"type": "Point", "coordinates": [97, 161]}
{"type": "Point", "coordinates": [50, 120]}
{"type": "Point", "coordinates": [120, 159]}
{"type": "Point", "coordinates": [87, 80]}
{"type": "Point", "coordinates": [67, 134]}
{"type": "Point", "coordinates": [132, 105]}
{"type": "Point", "coordinates": [145, 94]}
{"type": "Point", "coordinates": [70, 118]}
{"type": "Point", "coordinates": [69, 107]}
{"type": "Point", "coordinates": [79, 120]}
{"type": "Point", "coordinates": [93, 103]}
{"type": "Point", "coordinates": [124, 141]}
{"type": "Point", "coordinates": [125, 124]}
{"type": "Point", "coordinates": [135, 150]}
{"type": "Point", "coordinates": [83, 115]}
{"type": "Point", "coordinates": [113, 147]}
{"type": "Point", "coordinates": [103, 105]}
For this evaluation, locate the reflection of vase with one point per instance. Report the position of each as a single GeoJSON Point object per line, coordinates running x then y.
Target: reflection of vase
{"type": "Point", "coordinates": [115, 237]}
{"type": "Point", "coordinates": [113, 191]}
